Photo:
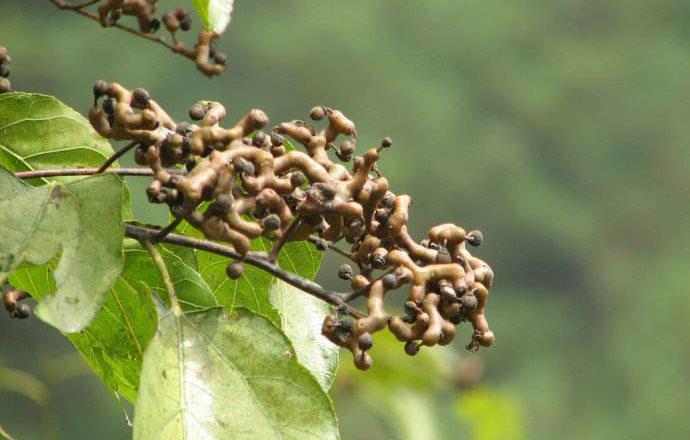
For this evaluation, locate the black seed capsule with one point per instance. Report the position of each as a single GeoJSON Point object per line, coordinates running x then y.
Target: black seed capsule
{"type": "Point", "coordinates": [197, 112]}
{"type": "Point", "coordinates": [389, 281]}
{"type": "Point", "coordinates": [109, 106]}
{"type": "Point", "coordinates": [377, 261]}
{"type": "Point", "coordinates": [411, 348]}
{"type": "Point", "coordinates": [271, 222]}
{"type": "Point", "coordinates": [277, 140]}
{"type": "Point", "coordinates": [317, 113]}
{"type": "Point", "coordinates": [100, 88]}
{"type": "Point", "coordinates": [220, 58]}
{"type": "Point", "coordinates": [297, 179]}
{"type": "Point", "coordinates": [23, 311]}
{"type": "Point", "coordinates": [186, 23]}
{"type": "Point", "coordinates": [154, 24]}
{"type": "Point", "coordinates": [475, 238]}
{"type": "Point", "coordinates": [345, 272]}
{"type": "Point", "coordinates": [365, 341]}
{"type": "Point", "coordinates": [469, 301]}
{"type": "Point", "coordinates": [386, 142]}
{"type": "Point", "coordinates": [141, 97]}
{"type": "Point", "coordinates": [234, 270]}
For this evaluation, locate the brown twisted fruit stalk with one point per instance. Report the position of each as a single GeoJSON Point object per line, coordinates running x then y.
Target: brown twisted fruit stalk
{"type": "Point", "coordinates": [5, 61]}
{"type": "Point", "coordinates": [255, 185]}
{"type": "Point", "coordinates": [207, 59]}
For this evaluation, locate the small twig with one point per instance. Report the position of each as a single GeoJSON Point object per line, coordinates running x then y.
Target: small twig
{"type": "Point", "coordinates": [364, 289]}
{"type": "Point", "coordinates": [90, 171]}
{"type": "Point", "coordinates": [61, 4]}
{"type": "Point", "coordinates": [283, 239]}
{"type": "Point", "coordinates": [116, 155]}
{"type": "Point", "coordinates": [320, 241]}
{"type": "Point", "coordinates": [258, 260]}
{"type": "Point", "coordinates": [167, 230]}
{"type": "Point", "coordinates": [163, 270]}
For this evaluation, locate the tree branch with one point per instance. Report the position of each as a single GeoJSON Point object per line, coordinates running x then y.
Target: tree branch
{"type": "Point", "coordinates": [35, 174]}
{"type": "Point", "coordinates": [116, 155]}
{"type": "Point", "coordinates": [63, 5]}
{"type": "Point", "coordinates": [255, 259]}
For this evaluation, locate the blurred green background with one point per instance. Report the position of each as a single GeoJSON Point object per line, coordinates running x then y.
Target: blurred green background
{"type": "Point", "coordinates": [558, 128]}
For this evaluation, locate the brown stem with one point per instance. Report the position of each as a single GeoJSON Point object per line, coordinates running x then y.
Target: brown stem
{"type": "Point", "coordinates": [63, 5]}
{"type": "Point", "coordinates": [283, 239]}
{"type": "Point", "coordinates": [116, 155]}
{"type": "Point", "coordinates": [364, 289]}
{"type": "Point", "coordinates": [90, 171]}
{"type": "Point", "coordinates": [161, 234]}
{"type": "Point", "coordinates": [258, 260]}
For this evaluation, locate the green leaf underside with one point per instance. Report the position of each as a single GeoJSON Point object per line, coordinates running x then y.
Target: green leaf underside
{"type": "Point", "coordinates": [214, 14]}
{"type": "Point", "coordinates": [82, 223]}
{"type": "Point", "coordinates": [113, 344]}
{"type": "Point", "coordinates": [302, 315]}
{"type": "Point", "coordinates": [298, 314]}
{"type": "Point", "coordinates": [217, 376]}
{"type": "Point", "coordinates": [40, 132]}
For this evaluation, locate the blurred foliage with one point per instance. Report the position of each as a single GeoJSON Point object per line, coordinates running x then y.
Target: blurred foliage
{"type": "Point", "coordinates": [492, 415]}
{"type": "Point", "coordinates": [558, 128]}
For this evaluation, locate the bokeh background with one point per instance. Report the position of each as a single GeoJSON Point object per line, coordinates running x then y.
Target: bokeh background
{"type": "Point", "coordinates": [558, 128]}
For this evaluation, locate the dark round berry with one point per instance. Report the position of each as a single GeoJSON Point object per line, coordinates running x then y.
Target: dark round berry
{"type": "Point", "coordinates": [297, 179]}
{"type": "Point", "coordinates": [100, 88]}
{"type": "Point", "coordinates": [4, 70]}
{"type": "Point", "coordinates": [411, 348]}
{"type": "Point", "coordinates": [197, 112]}
{"type": "Point", "coordinates": [317, 113]}
{"type": "Point", "coordinates": [448, 293]}
{"type": "Point", "coordinates": [141, 97]}
{"type": "Point", "coordinates": [377, 261]}
{"type": "Point", "coordinates": [271, 222]}
{"type": "Point", "coordinates": [220, 58]}
{"type": "Point", "coordinates": [387, 142]}
{"type": "Point", "coordinates": [234, 270]}
{"type": "Point", "coordinates": [347, 146]}
{"type": "Point", "coordinates": [469, 301]}
{"type": "Point", "coordinates": [365, 341]}
{"type": "Point", "coordinates": [23, 311]}
{"type": "Point", "coordinates": [259, 139]}
{"type": "Point", "coordinates": [109, 106]}
{"type": "Point", "coordinates": [186, 22]}
{"type": "Point", "coordinates": [224, 201]}
{"type": "Point", "coordinates": [389, 281]}
{"type": "Point", "coordinates": [277, 140]}
{"type": "Point", "coordinates": [475, 238]}
{"type": "Point", "coordinates": [345, 272]}
{"type": "Point", "coordinates": [154, 24]}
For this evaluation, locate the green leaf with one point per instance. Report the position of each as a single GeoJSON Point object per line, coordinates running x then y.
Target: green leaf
{"type": "Point", "coordinates": [298, 314]}
{"type": "Point", "coordinates": [114, 342]}
{"type": "Point", "coordinates": [193, 292]}
{"type": "Point", "coordinates": [302, 315]}
{"type": "Point", "coordinates": [39, 132]}
{"type": "Point", "coordinates": [214, 14]}
{"type": "Point", "coordinates": [251, 291]}
{"type": "Point", "coordinates": [214, 376]}
{"type": "Point", "coordinates": [80, 221]}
